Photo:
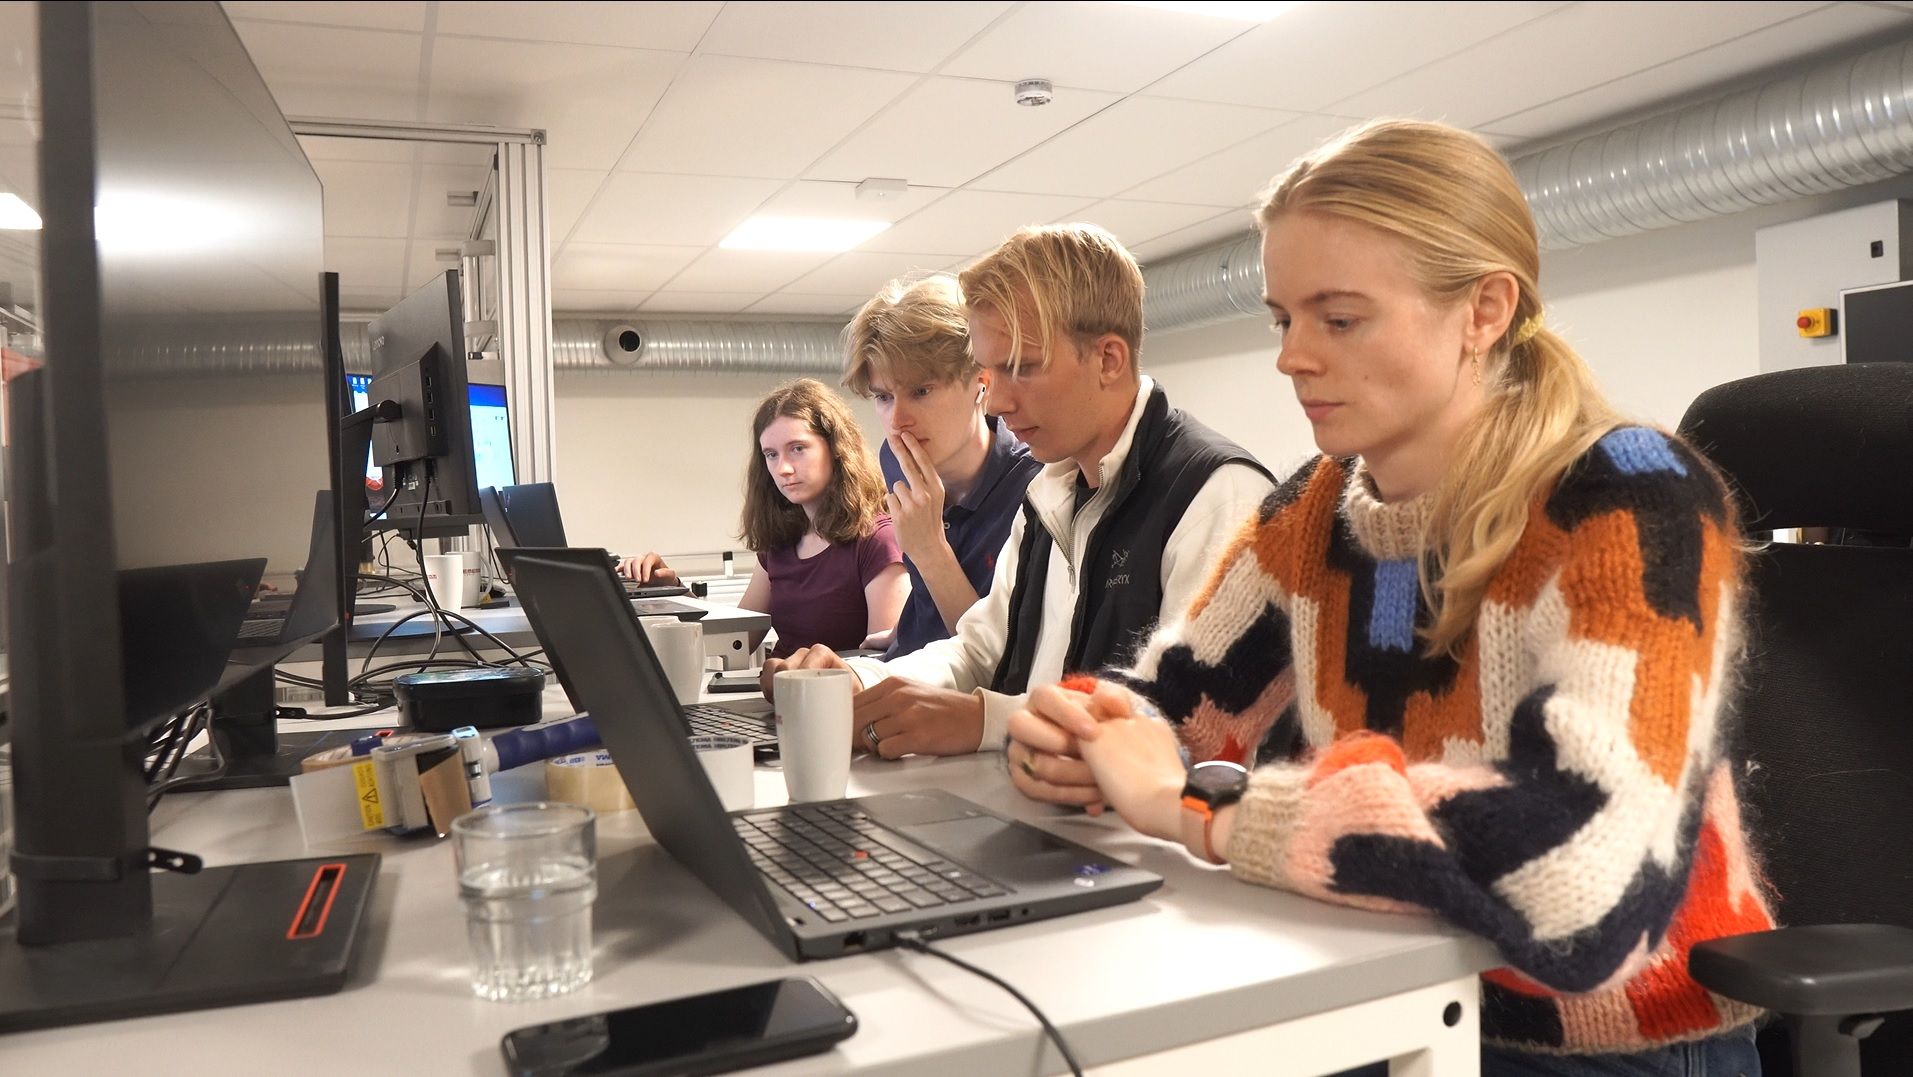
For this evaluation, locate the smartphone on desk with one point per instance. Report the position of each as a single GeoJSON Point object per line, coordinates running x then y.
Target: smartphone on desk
{"type": "Point", "coordinates": [736, 680]}
{"type": "Point", "coordinates": [712, 1033]}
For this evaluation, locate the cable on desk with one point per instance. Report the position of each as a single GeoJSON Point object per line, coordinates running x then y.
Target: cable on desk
{"type": "Point", "coordinates": [912, 940]}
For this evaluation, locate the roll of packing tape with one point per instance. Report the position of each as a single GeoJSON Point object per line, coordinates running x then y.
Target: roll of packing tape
{"type": "Point", "coordinates": [589, 779]}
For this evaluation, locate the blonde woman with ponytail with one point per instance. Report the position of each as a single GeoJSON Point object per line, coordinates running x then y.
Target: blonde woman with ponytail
{"type": "Point", "coordinates": [1475, 655]}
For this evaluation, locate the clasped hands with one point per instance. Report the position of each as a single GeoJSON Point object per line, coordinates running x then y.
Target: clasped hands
{"type": "Point", "coordinates": [1099, 748]}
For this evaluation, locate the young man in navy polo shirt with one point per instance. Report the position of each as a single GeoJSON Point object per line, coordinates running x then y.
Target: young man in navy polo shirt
{"type": "Point", "coordinates": [955, 477]}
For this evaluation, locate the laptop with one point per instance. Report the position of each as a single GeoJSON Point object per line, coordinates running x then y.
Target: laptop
{"type": "Point", "coordinates": [817, 880]}
{"type": "Point", "coordinates": [645, 598]}
{"type": "Point", "coordinates": [747, 718]}
{"type": "Point", "coordinates": [527, 515]}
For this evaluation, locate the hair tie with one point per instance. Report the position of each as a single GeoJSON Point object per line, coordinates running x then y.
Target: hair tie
{"type": "Point", "coordinates": [1527, 331]}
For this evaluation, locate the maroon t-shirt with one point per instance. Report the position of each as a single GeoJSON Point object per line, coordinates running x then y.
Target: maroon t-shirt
{"type": "Point", "coordinates": [821, 599]}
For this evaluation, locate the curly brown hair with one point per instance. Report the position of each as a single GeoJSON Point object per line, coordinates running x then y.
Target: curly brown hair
{"type": "Point", "coordinates": [852, 501]}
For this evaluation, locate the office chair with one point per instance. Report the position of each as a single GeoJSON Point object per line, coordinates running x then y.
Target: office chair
{"type": "Point", "coordinates": [1825, 711]}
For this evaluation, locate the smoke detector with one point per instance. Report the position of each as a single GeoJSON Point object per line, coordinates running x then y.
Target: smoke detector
{"type": "Point", "coordinates": [1034, 92]}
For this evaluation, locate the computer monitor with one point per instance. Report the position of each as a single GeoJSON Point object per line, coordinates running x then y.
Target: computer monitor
{"type": "Point", "coordinates": [149, 497]}
{"type": "Point", "coordinates": [491, 433]}
{"type": "Point", "coordinates": [418, 362]}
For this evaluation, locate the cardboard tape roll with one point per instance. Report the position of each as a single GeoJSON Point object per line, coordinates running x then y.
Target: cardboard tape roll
{"type": "Point", "coordinates": [589, 779]}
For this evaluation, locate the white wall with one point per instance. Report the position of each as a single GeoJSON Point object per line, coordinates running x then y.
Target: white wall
{"type": "Point", "coordinates": [655, 461]}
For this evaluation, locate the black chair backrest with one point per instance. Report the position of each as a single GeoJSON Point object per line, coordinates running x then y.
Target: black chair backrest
{"type": "Point", "coordinates": [1826, 707]}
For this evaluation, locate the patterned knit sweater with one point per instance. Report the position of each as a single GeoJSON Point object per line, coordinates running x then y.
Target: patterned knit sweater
{"type": "Point", "coordinates": [1559, 788]}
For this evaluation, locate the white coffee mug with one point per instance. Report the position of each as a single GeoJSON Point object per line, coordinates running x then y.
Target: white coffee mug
{"type": "Point", "coordinates": [728, 762]}
{"type": "Point", "coordinates": [813, 730]}
{"type": "Point", "coordinates": [680, 649]}
{"type": "Point", "coordinates": [472, 582]}
{"type": "Point", "coordinates": [445, 574]}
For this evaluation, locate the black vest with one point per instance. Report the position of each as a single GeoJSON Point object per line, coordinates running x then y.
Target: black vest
{"type": "Point", "coordinates": [1119, 584]}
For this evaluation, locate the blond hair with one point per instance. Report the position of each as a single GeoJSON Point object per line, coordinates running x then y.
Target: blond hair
{"type": "Point", "coordinates": [911, 332]}
{"type": "Point", "coordinates": [852, 501]}
{"type": "Point", "coordinates": [1074, 278]}
{"type": "Point", "coordinates": [1453, 205]}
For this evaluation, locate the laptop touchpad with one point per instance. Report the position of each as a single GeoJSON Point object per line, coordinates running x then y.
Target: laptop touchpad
{"type": "Point", "coordinates": [985, 841]}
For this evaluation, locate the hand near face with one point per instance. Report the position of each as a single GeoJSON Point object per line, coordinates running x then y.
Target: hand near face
{"type": "Point", "coordinates": [915, 504]}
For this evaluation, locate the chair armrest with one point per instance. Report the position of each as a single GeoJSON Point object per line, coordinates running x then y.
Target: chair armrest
{"type": "Point", "coordinates": [1827, 970]}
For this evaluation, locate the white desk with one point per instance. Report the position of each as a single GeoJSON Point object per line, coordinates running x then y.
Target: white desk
{"type": "Point", "coordinates": [725, 631]}
{"type": "Point", "coordinates": [1205, 975]}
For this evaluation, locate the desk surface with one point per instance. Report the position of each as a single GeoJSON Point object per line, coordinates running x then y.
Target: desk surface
{"type": "Point", "coordinates": [1202, 957]}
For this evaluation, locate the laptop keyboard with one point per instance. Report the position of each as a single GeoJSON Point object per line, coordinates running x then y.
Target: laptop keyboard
{"type": "Point", "coordinates": [709, 721]}
{"type": "Point", "coordinates": [835, 859]}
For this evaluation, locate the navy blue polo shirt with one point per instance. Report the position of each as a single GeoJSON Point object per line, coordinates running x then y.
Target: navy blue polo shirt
{"type": "Point", "coordinates": [976, 527]}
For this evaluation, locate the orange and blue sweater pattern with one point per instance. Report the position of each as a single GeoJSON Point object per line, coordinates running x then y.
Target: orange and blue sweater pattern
{"type": "Point", "coordinates": [1557, 787]}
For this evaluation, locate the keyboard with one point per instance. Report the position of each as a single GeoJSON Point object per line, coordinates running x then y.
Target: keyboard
{"type": "Point", "coordinates": [840, 863]}
{"type": "Point", "coordinates": [711, 721]}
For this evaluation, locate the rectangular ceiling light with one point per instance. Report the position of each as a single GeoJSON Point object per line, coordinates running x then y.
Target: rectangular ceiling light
{"type": "Point", "coordinates": [17, 215]}
{"type": "Point", "coordinates": [1245, 12]}
{"type": "Point", "coordinates": [800, 234]}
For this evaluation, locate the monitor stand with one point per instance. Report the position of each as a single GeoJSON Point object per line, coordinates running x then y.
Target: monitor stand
{"type": "Point", "coordinates": [246, 727]}
{"type": "Point", "coordinates": [242, 933]}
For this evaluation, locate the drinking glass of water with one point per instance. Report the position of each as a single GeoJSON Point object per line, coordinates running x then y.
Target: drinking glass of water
{"type": "Point", "coordinates": [528, 875]}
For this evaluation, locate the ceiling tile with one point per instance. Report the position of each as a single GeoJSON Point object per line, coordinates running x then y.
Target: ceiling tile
{"type": "Point", "coordinates": [363, 14]}
{"type": "Point", "coordinates": [358, 149]}
{"type": "Point", "coordinates": [366, 263]}
{"type": "Point", "coordinates": [1567, 51]}
{"type": "Point", "coordinates": [366, 198]}
{"type": "Point", "coordinates": [863, 272]}
{"type": "Point", "coordinates": [674, 27]}
{"type": "Point", "coordinates": [1092, 45]}
{"type": "Point", "coordinates": [1223, 226]}
{"type": "Point", "coordinates": [1129, 142]}
{"type": "Point", "coordinates": [1140, 222]}
{"type": "Point", "coordinates": [1233, 176]}
{"type": "Point", "coordinates": [638, 207]}
{"type": "Point", "coordinates": [896, 37]}
{"type": "Point", "coordinates": [946, 132]}
{"type": "Point", "coordinates": [318, 71]}
{"type": "Point", "coordinates": [588, 99]}
{"type": "Point", "coordinates": [567, 192]}
{"type": "Point", "coordinates": [1316, 54]}
{"type": "Point", "coordinates": [1828, 28]}
{"type": "Point", "coordinates": [727, 116]}
{"type": "Point", "coordinates": [436, 217]}
{"type": "Point", "coordinates": [699, 302]}
{"type": "Point", "coordinates": [734, 270]}
{"type": "Point", "coordinates": [838, 199]}
{"type": "Point", "coordinates": [617, 266]}
{"type": "Point", "coordinates": [789, 303]}
{"type": "Point", "coordinates": [368, 300]}
{"type": "Point", "coordinates": [596, 300]}
{"type": "Point", "coordinates": [965, 223]}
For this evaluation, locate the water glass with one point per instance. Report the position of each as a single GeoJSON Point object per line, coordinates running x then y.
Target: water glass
{"type": "Point", "coordinates": [528, 875]}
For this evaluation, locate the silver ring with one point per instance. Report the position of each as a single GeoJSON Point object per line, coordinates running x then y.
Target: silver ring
{"type": "Point", "coordinates": [871, 738]}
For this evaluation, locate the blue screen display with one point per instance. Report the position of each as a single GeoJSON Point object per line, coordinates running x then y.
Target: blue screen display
{"type": "Point", "coordinates": [491, 432]}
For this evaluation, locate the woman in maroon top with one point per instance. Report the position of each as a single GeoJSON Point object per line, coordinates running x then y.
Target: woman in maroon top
{"type": "Point", "coordinates": [830, 568]}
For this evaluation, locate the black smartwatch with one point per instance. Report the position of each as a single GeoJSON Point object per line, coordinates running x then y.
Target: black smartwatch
{"type": "Point", "coordinates": [1211, 786]}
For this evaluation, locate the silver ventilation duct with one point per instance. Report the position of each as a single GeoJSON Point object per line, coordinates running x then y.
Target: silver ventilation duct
{"type": "Point", "coordinates": [1835, 126]}
{"type": "Point", "coordinates": [732, 347]}
{"type": "Point", "coordinates": [1839, 125]}
{"type": "Point", "coordinates": [1219, 283]}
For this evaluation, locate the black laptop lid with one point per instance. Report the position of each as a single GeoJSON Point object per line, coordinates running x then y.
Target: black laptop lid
{"type": "Point", "coordinates": [531, 511]}
{"type": "Point", "coordinates": [617, 678]}
{"type": "Point", "coordinates": [496, 519]}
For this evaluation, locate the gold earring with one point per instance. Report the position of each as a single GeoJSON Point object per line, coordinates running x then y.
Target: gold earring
{"type": "Point", "coordinates": [1475, 361]}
